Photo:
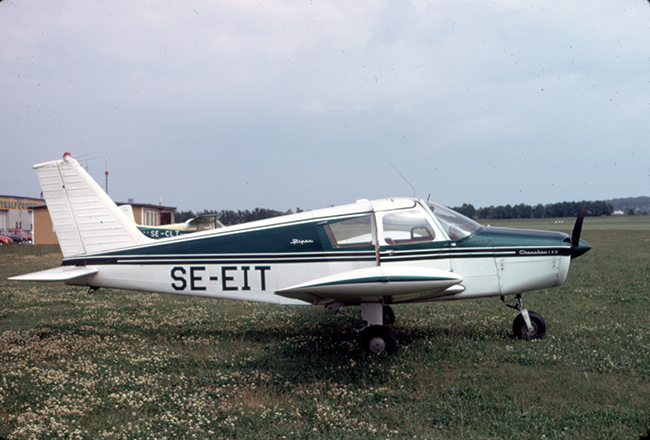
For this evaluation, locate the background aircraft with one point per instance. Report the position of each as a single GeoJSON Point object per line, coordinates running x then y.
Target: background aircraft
{"type": "Point", "coordinates": [200, 223]}
{"type": "Point", "coordinates": [370, 253]}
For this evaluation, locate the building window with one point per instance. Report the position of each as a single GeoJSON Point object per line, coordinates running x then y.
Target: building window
{"type": "Point", "coordinates": [151, 218]}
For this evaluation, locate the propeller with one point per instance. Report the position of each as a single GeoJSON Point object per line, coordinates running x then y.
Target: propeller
{"type": "Point", "coordinates": [577, 228]}
{"type": "Point", "coordinates": [577, 248]}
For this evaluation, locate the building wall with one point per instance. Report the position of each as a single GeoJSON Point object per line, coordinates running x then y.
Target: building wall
{"type": "Point", "coordinates": [153, 215]}
{"type": "Point", "coordinates": [43, 231]}
{"type": "Point", "coordinates": [16, 212]}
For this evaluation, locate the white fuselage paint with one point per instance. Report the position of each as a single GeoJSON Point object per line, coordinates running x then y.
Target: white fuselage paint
{"type": "Point", "coordinates": [251, 281]}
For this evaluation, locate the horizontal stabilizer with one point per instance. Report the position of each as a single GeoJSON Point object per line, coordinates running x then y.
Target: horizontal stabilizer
{"type": "Point", "coordinates": [374, 282]}
{"type": "Point", "coordinates": [63, 273]}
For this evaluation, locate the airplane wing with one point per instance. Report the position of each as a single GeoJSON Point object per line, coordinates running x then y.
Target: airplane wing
{"type": "Point", "coordinates": [63, 273]}
{"type": "Point", "coordinates": [399, 283]}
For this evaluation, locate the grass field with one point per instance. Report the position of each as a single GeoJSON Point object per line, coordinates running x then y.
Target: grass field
{"type": "Point", "coordinates": [127, 365]}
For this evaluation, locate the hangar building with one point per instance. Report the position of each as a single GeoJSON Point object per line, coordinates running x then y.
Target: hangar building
{"type": "Point", "coordinates": [31, 214]}
{"type": "Point", "coordinates": [17, 212]}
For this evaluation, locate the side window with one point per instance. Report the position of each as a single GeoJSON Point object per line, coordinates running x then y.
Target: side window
{"type": "Point", "coordinates": [409, 226]}
{"type": "Point", "coordinates": [351, 232]}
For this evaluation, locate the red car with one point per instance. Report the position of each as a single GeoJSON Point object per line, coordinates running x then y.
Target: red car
{"type": "Point", "coordinates": [4, 237]}
{"type": "Point", "coordinates": [20, 236]}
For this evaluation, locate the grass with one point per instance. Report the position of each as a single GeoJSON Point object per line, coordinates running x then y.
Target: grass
{"type": "Point", "coordinates": [122, 365]}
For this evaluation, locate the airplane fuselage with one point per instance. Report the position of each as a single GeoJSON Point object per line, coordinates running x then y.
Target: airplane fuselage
{"type": "Point", "coordinates": [255, 260]}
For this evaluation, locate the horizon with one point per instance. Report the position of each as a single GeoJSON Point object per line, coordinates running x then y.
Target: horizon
{"type": "Point", "coordinates": [313, 104]}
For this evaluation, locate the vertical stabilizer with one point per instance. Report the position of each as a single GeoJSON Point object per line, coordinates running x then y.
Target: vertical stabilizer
{"type": "Point", "coordinates": [85, 219]}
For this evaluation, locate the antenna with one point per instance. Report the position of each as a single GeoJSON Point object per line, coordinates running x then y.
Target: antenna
{"type": "Point", "coordinates": [405, 180]}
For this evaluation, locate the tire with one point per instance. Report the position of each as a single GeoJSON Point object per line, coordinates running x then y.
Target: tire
{"type": "Point", "coordinates": [378, 339]}
{"type": "Point", "coordinates": [388, 315]}
{"type": "Point", "coordinates": [521, 331]}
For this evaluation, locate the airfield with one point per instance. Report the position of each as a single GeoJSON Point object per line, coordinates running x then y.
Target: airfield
{"type": "Point", "coordinates": [121, 365]}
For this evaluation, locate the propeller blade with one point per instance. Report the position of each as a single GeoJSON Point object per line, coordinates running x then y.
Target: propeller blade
{"type": "Point", "coordinates": [577, 228]}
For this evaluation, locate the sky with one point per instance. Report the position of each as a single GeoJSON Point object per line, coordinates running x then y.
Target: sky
{"type": "Point", "coordinates": [306, 104]}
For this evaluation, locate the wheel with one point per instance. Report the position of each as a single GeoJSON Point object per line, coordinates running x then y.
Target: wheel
{"type": "Point", "coordinates": [389, 315]}
{"type": "Point", "coordinates": [378, 339]}
{"type": "Point", "coordinates": [521, 330]}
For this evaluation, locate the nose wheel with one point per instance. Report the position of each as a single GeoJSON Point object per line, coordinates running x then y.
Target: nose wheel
{"type": "Point", "coordinates": [537, 326]}
{"type": "Point", "coordinates": [528, 324]}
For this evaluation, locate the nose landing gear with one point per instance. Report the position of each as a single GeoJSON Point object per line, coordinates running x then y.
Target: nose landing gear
{"type": "Point", "coordinates": [528, 324]}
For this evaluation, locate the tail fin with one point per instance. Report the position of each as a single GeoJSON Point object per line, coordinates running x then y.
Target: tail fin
{"type": "Point", "coordinates": [85, 219]}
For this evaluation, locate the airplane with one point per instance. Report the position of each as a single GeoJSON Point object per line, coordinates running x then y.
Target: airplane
{"type": "Point", "coordinates": [200, 223]}
{"type": "Point", "coordinates": [371, 254]}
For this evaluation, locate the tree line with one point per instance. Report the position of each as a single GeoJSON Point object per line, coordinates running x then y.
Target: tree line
{"type": "Point", "coordinates": [633, 205]}
{"type": "Point", "coordinates": [552, 210]}
{"type": "Point", "coordinates": [230, 217]}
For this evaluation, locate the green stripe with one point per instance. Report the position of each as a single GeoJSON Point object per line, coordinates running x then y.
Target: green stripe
{"type": "Point", "coordinates": [384, 279]}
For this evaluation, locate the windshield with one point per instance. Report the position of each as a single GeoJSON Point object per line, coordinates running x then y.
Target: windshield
{"type": "Point", "coordinates": [456, 225]}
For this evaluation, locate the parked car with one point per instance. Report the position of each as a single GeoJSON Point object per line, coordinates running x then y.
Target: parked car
{"type": "Point", "coordinates": [20, 236]}
{"type": "Point", "coordinates": [28, 236]}
{"type": "Point", "coordinates": [4, 237]}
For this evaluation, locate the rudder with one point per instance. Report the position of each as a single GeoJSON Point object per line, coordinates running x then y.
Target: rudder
{"type": "Point", "coordinates": [85, 219]}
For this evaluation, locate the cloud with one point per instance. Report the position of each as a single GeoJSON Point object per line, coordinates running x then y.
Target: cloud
{"type": "Point", "coordinates": [309, 101]}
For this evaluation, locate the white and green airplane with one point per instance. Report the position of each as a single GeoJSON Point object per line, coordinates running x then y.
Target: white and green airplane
{"type": "Point", "coordinates": [370, 254]}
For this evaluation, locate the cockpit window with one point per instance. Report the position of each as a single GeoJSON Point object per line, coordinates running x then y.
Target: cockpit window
{"type": "Point", "coordinates": [456, 225]}
{"type": "Point", "coordinates": [408, 226]}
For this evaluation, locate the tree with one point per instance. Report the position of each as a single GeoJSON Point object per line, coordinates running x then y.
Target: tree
{"type": "Point", "coordinates": [522, 211]}
{"type": "Point", "coordinates": [486, 213]}
{"type": "Point", "coordinates": [467, 210]}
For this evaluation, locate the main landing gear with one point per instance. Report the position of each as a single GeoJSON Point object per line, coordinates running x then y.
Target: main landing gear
{"type": "Point", "coordinates": [528, 324]}
{"type": "Point", "coordinates": [376, 337]}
